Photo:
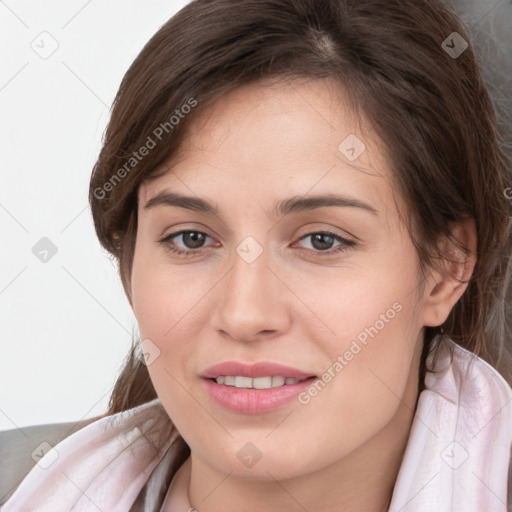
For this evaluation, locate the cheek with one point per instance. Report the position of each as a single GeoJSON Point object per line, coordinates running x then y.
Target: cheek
{"type": "Point", "coordinates": [375, 319]}
{"type": "Point", "coordinates": [164, 325]}
{"type": "Point", "coordinates": [169, 308]}
{"type": "Point", "coordinates": [163, 297]}
{"type": "Point", "coordinates": [167, 319]}
{"type": "Point", "coordinates": [381, 336]}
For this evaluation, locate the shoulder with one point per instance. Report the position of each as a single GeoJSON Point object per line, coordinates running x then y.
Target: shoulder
{"type": "Point", "coordinates": [113, 456]}
{"type": "Point", "coordinates": [21, 448]}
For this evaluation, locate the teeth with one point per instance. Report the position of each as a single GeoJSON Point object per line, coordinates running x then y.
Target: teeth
{"type": "Point", "coordinates": [229, 381]}
{"type": "Point", "coordinates": [277, 381]}
{"type": "Point", "coordinates": [256, 383]}
{"type": "Point", "coordinates": [262, 382]}
{"type": "Point", "coordinates": [243, 382]}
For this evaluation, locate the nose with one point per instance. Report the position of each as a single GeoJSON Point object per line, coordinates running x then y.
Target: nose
{"type": "Point", "coordinates": [251, 301]}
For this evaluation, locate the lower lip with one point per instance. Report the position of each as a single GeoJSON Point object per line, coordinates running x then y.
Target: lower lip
{"type": "Point", "coordinates": [255, 401]}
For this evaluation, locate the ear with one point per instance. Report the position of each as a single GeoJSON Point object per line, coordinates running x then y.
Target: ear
{"type": "Point", "coordinates": [446, 284]}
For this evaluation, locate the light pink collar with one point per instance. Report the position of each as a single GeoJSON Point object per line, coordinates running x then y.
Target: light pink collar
{"type": "Point", "coordinates": [459, 447]}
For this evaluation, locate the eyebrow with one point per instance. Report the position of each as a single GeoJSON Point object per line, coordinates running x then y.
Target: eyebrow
{"type": "Point", "coordinates": [283, 207]}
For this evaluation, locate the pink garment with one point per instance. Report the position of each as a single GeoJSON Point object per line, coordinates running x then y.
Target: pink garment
{"type": "Point", "coordinates": [456, 459]}
{"type": "Point", "coordinates": [459, 448]}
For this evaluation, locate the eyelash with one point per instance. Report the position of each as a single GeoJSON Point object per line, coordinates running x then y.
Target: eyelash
{"type": "Point", "coordinates": [171, 246]}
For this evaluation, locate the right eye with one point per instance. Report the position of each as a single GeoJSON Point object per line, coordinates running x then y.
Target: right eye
{"type": "Point", "coordinates": [192, 238]}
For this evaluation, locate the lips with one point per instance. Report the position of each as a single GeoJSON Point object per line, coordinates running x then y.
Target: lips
{"type": "Point", "coordinates": [252, 400]}
{"type": "Point", "coordinates": [260, 369]}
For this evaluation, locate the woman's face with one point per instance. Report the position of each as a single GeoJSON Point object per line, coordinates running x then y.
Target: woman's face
{"type": "Point", "coordinates": [296, 257]}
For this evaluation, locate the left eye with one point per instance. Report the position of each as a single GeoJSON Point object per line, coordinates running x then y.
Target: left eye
{"type": "Point", "coordinates": [323, 241]}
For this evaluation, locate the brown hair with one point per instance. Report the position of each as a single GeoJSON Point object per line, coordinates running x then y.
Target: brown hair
{"type": "Point", "coordinates": [433, 112]}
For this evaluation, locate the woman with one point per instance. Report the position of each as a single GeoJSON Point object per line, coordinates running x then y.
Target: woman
{"type": "Point", "coordinates": [306, 200]}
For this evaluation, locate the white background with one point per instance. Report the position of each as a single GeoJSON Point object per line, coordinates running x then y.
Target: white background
{"type": "Point", "coordinates": [65, 324]}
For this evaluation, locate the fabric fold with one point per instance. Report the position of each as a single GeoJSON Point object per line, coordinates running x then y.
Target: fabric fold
{"type": "Point", "coordinates": [102, 466]}
{"type": "Point", "coordinates": [458, 452]}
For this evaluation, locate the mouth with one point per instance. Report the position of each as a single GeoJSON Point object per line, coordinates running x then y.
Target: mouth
{"type": "Point", "coordinates": [254, 388]}
{"type": "Point", "coordinates": [240, 371]}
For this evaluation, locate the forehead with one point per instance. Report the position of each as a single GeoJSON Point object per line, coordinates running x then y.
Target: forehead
{"type": "Point", "coordinates": [273, 138]}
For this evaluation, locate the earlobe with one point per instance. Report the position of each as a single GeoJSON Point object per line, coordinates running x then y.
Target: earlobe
{"type": "Point", "coordinates": [447, 284]}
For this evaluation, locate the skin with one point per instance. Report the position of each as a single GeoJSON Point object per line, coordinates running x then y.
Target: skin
{"type": "Point", "coordinates": [292, 305]}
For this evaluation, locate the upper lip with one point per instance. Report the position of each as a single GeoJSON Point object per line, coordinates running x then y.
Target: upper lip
{"type": "Point", "coordinates": [259, 369]}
